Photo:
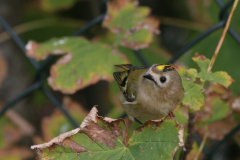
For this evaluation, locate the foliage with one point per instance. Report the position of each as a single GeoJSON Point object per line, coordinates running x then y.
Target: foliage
{"type": "Point", "coordinates": [130, 23]}
{"type": "Point", "coordinates": [107, 138]}
{"type": "Point", "coordinates": [194, 98]}
{"type": "Point", "coordinates": [95, 60]}
{"type": "Point", "coordinates": [84, 62]}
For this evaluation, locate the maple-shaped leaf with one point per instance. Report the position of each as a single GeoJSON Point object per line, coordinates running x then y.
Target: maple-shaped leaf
{"type": "Point", "coordinates": [83, 64]}
{"type": "Point", "coordinates": [131, 23]}
{"type": "Point", "coordinates": [216, 77]}
{"type": "Point", "coordinates": [193, 97]}
{"type": "Point", "coordinates": [106, 138]}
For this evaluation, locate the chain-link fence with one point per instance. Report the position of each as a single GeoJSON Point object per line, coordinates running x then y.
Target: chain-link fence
{"type": "Point", "coordinates": [40, 76]}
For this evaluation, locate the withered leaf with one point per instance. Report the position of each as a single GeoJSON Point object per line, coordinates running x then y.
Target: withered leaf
{"type": "Point", "coordinates": [131, 23]}
{"type": "Point", "coordinates": [106, 138]}
{"type": "Point", "coordinates": [84, 63]}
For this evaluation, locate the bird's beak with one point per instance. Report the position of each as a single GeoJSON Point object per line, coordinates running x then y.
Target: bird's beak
{"type": "Point", "coordinates": [148, 76]}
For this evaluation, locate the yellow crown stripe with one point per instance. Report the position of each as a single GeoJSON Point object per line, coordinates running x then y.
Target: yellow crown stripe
{"type": "Point", "coordinates": [160, 67]}
{"type": "Point", "coordinates": [164, 66]}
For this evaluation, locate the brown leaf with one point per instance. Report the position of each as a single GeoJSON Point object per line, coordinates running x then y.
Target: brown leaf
{"type": "Point", "coordinates": [100, 135]}
{"type": "Point", "coordinates": [74, 146]}
{"type": "Point", "coordinates": [202, 57]}
{"type": "Point", "coordinates": [132, 24]}
{"type": "Point", "coordinates": [217, 130]}
{"type": "Point", "coordinates": [16, 152]}
{"type": "Point", "coordinates": [91, 128]}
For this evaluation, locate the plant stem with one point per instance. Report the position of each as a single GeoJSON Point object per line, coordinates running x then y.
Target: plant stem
{"type": "Point", "coordinates": [203, 143]}
{"type": "Point", "coordinates": [200, 27]}
{"type": "Point", "coordinates": [29, 26]}
{"type": "Point", "coordinates": [222, 36]}
{"type": "Point", "coordinates": [190, 137]}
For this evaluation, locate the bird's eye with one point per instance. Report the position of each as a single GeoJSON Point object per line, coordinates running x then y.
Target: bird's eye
{"type": "Point", "coordinates": [163, 79]}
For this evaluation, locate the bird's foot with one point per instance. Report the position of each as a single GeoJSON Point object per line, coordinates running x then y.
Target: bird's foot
{"type": "Point", "coordinates": [135, 119]}
{"type": "Point", "coordinates": [171, 115]}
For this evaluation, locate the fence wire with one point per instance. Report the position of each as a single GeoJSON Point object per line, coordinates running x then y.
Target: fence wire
{"type": "Point", "coordinates": [40, 76]}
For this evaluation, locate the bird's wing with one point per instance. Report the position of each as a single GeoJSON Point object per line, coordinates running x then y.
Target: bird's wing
{"type": "Point", "coordinates": [125, 67]}
{"type": "Point", "coordinates": [122, 81]}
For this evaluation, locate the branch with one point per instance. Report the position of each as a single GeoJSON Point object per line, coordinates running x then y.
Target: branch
{"type": "Point", "coordinates": [190, 135]}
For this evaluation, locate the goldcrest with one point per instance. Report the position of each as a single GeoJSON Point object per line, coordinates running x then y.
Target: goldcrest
{"type": "Point", "coordinates": [148, 93]}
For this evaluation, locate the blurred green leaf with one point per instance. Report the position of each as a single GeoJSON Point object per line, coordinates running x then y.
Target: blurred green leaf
{"type": "Point", "coordinates": [85, 63]}
{"type": "Point", "coordinates": [105, 138]}
{"type": "Point", "coordinates": [154, 54]}
{"type": "Point", "coordinates": [181, 119]}
{"type": "Point", "coordinates": [131, 24]}
{"type": "Point", "coordinates": [220, 109]}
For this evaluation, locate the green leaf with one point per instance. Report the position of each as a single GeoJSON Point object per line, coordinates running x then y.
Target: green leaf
{"type": "Point", "coordinates": [219, 110]}
{"type": "Point", "coordinates": [155, 140]}
{"type": "Point", "coordinates": [53, 5]}
{"type": "Point", "coordinates": [106, 138]}
{"type": "Point", "coordinates": [84, 62]}
{"type": "Point", "coordinates": [131, 24]}
{"type": "Point", "coordinates": [193, 97]}
{"type": "Point", "coordinates": [227, 59]}
{"type": "Point", "coordinates": [179, 115]}
{"type": "Point", "coordinates": [216, 77]}
{"type": "Point", "coordinates": [154, 54]}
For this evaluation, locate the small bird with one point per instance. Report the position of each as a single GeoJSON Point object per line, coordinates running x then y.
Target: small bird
{"type": "Point", "coordinates": [148, 93]}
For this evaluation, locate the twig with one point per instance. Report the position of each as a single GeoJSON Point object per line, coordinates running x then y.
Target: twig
{"type": "Point", "coordinates": [202, 144]}
{"type": "Point", "coordinates": [190, 135]}
{"type": "Point", "coordinates": [222, 36]}
{"type": "Point", "coordinates": [25, 127]}
{"type": "Point", "coordinates": [201, 27]}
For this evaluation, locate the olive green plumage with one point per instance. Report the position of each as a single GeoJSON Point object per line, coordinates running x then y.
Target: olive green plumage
{"type": "Point", "coordinates": [148, 93]}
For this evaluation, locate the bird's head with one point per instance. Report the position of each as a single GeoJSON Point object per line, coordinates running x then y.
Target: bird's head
{"type": "Point", "coordinates": [162, 75]}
